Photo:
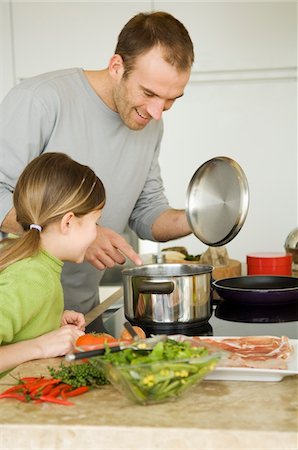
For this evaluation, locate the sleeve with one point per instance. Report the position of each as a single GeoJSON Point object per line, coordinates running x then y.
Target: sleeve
{"type": "Point", "coordinates": [152, 200]}
{"type": "Point", "coordinates": [24, 131]}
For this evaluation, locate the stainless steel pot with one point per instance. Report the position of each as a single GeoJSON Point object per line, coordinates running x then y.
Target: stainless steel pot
{"type": "Point", "coordinates": [178, 296]}
{"type": "Point", "coordinates": [167, 295]}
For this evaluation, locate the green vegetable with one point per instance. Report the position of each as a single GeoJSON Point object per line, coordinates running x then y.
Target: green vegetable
{"type": "Point", "coordinates": [165, 372]}
{"type": "Point", "coordinates": [192, 257]}
{"type": "Point", "coordinates": [77, 375]}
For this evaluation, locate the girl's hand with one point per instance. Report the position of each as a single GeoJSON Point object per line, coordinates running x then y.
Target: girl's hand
{"type": "Point", "coordinates": [74, 318]}
{"type": "Point", "coordinates": [58, 342]}
{"type": "Point", "coordinates": [49, 345]}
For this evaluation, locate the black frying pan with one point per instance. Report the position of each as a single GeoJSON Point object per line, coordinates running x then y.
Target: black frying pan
{"type": "Point", "coordinates": [263, 290]}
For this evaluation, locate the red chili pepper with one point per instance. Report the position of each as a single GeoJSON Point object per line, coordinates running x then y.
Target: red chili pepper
{"type": "Point", "coordinates": [64, 391]}
{"type": "Point", "coordinates": [33, 384]}
{"type": "Point", "coordinates": [34, 380]}
{"type": "Point", "coordinates": [38, 388]}
{"type": "Point", "coordinates": [55, 391]}
{"type": "Point", "coordinates": [16, 388]}
{"type": "Point", "coordinates": [41, 389]}
{"type": "Point", "coordinates": [48, 389]}
{"type": "Point", "coordinates": [48, 398]}
{"type": "Point", "coordinates": [13, 395]}
{"type": "Point", "coordinates": [29, 379]}
{"type": "Point", "coordinates": [78, 391]}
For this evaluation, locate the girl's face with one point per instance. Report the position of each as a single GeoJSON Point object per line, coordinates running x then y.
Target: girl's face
{"type": "Point", "coordinates": [84, 232]}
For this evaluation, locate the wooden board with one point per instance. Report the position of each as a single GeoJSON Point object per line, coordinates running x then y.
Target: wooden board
{"type": "Point", "coordinates": [233, 269]}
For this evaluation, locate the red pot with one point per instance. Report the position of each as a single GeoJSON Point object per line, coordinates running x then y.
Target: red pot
{"type": "Point", "coordinates": [269, 264]}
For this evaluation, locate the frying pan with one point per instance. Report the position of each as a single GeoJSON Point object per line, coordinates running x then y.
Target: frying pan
{"type": "Point", "coordinates": [262, 290]}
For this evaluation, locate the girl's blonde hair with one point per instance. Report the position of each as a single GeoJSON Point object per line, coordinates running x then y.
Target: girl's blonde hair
{"type": "Point", "coordinates": [50, 186]}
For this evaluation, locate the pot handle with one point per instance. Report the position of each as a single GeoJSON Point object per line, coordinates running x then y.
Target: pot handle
{"type": "Point", "coordinates": [153, 287]}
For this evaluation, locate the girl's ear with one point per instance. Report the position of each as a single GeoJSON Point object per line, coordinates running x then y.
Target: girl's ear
{"type": "Point", "coordinates": [116, 67]}
{"type": "Point", "coordinates": [66, 222]}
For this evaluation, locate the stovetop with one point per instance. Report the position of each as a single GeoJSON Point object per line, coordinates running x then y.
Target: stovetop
{"type": "Point", "coordinates": [226, 320]}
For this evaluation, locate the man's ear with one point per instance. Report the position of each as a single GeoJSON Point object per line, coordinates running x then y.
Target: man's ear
{"type": "Point", "coordinates": [116, 67]}
{"type": "Point", "coordinates": [66, 222]}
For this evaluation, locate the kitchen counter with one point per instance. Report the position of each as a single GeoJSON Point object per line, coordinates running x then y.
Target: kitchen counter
{"type": "Point", "coordinates": [214, 415]}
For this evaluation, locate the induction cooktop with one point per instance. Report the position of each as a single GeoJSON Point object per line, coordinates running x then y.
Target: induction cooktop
{"type": "Point", "coordinates": [226, 320]}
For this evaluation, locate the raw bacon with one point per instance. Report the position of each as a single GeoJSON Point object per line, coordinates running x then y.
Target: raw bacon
{"type": "Point", "coordinates": [266, 352]}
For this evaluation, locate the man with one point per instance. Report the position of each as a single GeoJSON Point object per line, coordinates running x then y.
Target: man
{"type": "Point", "coordinates": [108, 119]}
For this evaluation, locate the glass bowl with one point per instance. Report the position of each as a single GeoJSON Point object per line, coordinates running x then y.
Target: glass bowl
{"type": "Point", "coordinates": [156, 381]}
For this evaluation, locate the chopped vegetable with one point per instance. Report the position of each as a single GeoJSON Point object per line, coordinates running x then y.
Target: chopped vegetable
{"type": "Point", "coordinates": [165, 372]}
{"type": "Point", "coordinates": [163, 351]}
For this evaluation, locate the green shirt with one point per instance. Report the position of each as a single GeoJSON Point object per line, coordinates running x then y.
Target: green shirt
{"type": "Point", "coordinates": [31, 298]}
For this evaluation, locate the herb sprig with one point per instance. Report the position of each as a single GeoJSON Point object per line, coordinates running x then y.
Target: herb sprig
{"type": "Point", "coordinates": [78, 375]}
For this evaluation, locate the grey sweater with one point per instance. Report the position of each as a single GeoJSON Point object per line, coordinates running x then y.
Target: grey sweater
{"type": "Point", "coordinates": [60, 112]}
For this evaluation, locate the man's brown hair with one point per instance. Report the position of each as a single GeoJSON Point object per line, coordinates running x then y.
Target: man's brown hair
{"type": "Point", "coordinates": [147, 30]}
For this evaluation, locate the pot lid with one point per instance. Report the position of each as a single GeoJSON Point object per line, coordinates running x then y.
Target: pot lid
{"type": "Point", "coordinates": [217, 201]}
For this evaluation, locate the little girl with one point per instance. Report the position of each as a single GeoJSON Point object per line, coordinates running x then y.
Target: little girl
{"type": "Point", "coordinates": [58, 203]}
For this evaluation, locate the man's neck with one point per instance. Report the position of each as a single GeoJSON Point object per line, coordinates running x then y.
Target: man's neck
{"type": "Point", "coordinates": [100, 82]}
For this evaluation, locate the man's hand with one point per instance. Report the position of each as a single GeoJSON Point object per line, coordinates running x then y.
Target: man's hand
{"type": "Point", "coordinates": [109, 249]}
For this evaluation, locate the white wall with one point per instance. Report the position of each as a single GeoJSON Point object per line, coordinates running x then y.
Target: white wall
{"type": "Point", "coordinates": [241, 101]}
{"type": "Point", "coordinates": [68, 33]}
{"type": "Point", "coordinates": [7, 69]}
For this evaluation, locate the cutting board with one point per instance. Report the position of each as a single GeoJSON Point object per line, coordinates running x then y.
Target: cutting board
{"type": "Point", "coordinates": [232, 269]}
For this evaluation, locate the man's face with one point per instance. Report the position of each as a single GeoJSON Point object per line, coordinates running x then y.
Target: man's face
{"type": "Point", "coordinates": [151, 88]}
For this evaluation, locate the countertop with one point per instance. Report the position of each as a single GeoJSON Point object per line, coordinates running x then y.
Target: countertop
{"type": "Point", "coordinates": [215, 415]}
